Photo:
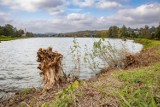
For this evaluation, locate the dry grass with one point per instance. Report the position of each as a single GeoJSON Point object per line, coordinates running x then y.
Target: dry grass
{"type": "Point", "coordinates": [144, 58]}
{"type": "Point", "coordinates": [99, 92]}
{"type": "Point", "coordinates": [32, 97]}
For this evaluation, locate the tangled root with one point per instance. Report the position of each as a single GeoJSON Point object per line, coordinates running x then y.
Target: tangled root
{"type": "Point", "coordinates": [50, 65]}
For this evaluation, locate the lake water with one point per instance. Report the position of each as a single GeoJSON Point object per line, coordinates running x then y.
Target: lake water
{"type": "Point", "coordinates": [18, 66]}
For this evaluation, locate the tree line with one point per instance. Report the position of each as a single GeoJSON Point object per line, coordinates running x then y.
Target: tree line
{"type": "Point", "coordinates": [113, 32]}
{"type": "Point", "coordinates": [118, 32]}
{"type": "Point", "coordinates": [9, 30]}
{"type": "Point", "coordinates": [124, 32]}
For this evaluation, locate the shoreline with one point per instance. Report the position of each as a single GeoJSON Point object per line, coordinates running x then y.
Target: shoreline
{"type": "Point", "coordinates": [91, 87]}
{"type": "Point", "coordinates": [10, 38]}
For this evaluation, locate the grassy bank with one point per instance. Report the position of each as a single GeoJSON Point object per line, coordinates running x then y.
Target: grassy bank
{"type": "Point", "coordinates": [7, 38]}
{"type": "Point", "coordinates": [140, 87]}
{"type": "Point", "coordinates": [147, 43]}
{"type": "Point", "coordinates": [135, 86]}
{"type": "Point", "coordinates": [125, 88]}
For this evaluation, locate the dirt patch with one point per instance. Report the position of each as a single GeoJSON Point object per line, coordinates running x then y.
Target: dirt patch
{"type": "Point", "coordinates": [33, 97]}
{"type": "Point", "coordinates": [99, 92]}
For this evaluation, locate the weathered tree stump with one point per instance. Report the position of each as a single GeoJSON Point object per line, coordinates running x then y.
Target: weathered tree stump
{"type": "Point", "coordinates": [50, 65]}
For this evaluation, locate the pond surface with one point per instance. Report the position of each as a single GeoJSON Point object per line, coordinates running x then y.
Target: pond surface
{"type": "Point", "coordinates": [18, 66]}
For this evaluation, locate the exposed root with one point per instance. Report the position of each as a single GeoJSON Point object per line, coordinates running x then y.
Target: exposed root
{"type": "Point", "coordinates": [50, 65]}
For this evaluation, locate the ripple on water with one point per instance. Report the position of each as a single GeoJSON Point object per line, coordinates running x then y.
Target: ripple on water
{"type": "Point", "coordinates": [18, 66]}
{"type": "Point", "coordinates": [17, 78]}
{"type": "Point", "coordinates": [2, 78]}
{"type": "Point", "coordinates": [9, 73]}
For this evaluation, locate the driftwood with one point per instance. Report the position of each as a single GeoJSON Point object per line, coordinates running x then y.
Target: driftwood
{"type": "Point", "coordinates": [50, 65]}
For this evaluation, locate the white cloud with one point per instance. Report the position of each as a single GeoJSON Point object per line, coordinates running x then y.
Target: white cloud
{"type": "Point", "coordinates": [77, 16]}
{"type": "Point", "coordinates": [102, 4]}
{"type": "Point", "coordinates": [53, 6]}
{"type": "Point", "coordinates": [71, 22]}
{"type": "Point", "coordinates": [81, 21]}
{"type": "Point", "coordinates": [28, 5]}
{"type": "Point", "coordinates": [121, 0]}
{"type": "Point", "coordinates": [131, 17]}
{"type": "Point", "coordinates": [85, 3]}
{"type": "Point", "coordinates": [144, 14]}
{"type": "Point", "coordinates": [56, 11]}
{"type": "Point", "coordinates": [108, 4]}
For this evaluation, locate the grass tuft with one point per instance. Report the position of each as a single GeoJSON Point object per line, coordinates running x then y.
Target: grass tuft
{"type": "Point", "coordinates": [65, 97]}
{"type": "Point", "coordinates": [140, 87]}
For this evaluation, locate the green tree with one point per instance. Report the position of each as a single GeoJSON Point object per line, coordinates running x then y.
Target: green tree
{"type": "Point", "coordinates": [102, 33]}
{"type": "Point", "coordinates": [141, 34]}
{"type": "Point", "coordinates": [152, 30]}
{"type": "Point", "coordinates": [157, 32]}
{"type": "Point", "coordinates": [9, 30]}
{"type": "Point", "coordinates": [29, 34]}
{"type": "Point", "coordinates": [19, 32]}
{"type": "Point", "coordinates": [123, 32]}
{"type": "Point", "coordinates": [1, 30]}
{"type": "Point", "coordinates": [147, 32]}
{"type": "Point", "coordinates": [113, 32]}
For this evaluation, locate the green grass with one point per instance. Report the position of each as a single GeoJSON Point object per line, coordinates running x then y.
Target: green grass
{"type": "Point", "coordinates": [147, 43]}
{"type": "Point", "coordinates": [7, 38]}
{"type": "Point", "coordinates": [25, 91]}
{"type": "Point", "coordinates": [141, 87]}
{"type": "Point", "coordinates": [65, 97]}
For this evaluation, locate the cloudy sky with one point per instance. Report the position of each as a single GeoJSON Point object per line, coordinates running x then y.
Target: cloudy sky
{"type": "Point", "coordinates": [41, 16]}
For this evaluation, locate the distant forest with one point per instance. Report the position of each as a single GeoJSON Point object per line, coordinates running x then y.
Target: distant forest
{"type": "Point", "coordinates": [9, 30]}
{"type": "Point", "coordinates": [120, 32]}
{"type": "Point", "coordinates": [113, 32]}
